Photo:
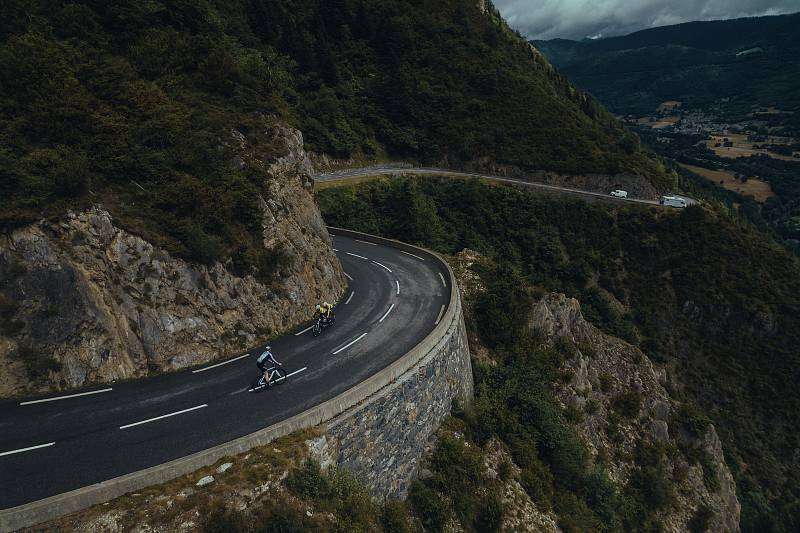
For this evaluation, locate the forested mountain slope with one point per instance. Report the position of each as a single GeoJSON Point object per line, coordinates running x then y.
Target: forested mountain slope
{"type": "Point", "coordinates": [751, 60]}
{"type": "Point", "coordinates": [104, 101]}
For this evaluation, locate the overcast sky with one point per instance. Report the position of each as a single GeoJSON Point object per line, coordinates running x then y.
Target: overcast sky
{"type": "Point", "coordinates": [576, 19]}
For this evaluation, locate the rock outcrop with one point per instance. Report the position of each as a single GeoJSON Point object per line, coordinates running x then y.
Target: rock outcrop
{"type": "Point", "coordinates": [83, 301]}
{"type": "Point", "coordinates": [619, 402]}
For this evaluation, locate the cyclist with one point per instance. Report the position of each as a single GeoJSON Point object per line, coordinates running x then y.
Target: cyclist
{"type": "Point", "coordinates": [327, 312]}
{"type": "Point", "coordinates": [318, 312]}
{"type": "Point", "coordinates": [266, 359]}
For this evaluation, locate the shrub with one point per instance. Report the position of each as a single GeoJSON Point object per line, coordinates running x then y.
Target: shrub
{"type": "Point", "coordinates": [308, 481]}
{"type": "Point", "coordinates": [490, 516]}
{"type": "Point", "coordinates": [627, 403]}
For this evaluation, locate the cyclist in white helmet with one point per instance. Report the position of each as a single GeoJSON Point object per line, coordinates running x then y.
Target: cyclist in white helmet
{"type": "Point", "coordinates": [266, 359]}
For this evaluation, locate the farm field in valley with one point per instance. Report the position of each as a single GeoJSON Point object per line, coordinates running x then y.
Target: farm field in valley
{"type": "Point", "coordinates": [758, 189]}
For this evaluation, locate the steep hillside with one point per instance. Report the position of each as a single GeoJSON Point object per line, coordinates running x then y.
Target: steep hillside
{"type": "Point", "coordinates": [132, 104]}
{"type": "Point", "coordinates": [753, 61]}
{"type": "Point", "coordinates": [712, 304]}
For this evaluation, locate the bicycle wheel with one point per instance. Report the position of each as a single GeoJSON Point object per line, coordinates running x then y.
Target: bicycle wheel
{"type": "Point", "coordinates": [317, 328]}
{"type": "Point", "coordinates": [259, 384]}
{"type": "Point", "coordinates": [279, 376]}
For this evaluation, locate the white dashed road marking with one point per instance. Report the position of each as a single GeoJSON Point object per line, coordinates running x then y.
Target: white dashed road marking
{"type": "Point", "coordinates": [29, 448]}
{"type": "Point", "coordinates": [164, 416]}
{"type": "Point", "coordinates": [386, 313]}
{"type": "Point", "coordinates": [439, 317]}
{"type": "Point", "coordinates": [365, 242]}
{"type": "Point", "coordinates": [348, 276]}
{"type": "Point", "coordinates": [220, 364]}
{"type": "Point", "coordinates": [65, 397]}
{"type": "Point", "coordinates": [397, 282]}
{"type": "Point", "coordinates": [444, 284]}
{"type": "Point", "coordinates": [309, 328]}
{"type": "Point", "coordinates": [349, 344]}
{"type": "Point", "coordinates": [296, 372]}
{"type": "Point", "coordinates": [356, 255]}
{"type": "Point", "coordinates": [349, 297]}
{"type": "Point", "coordinates": [382, 266]}
{"type": "Point", "coordinates": [412, 255]}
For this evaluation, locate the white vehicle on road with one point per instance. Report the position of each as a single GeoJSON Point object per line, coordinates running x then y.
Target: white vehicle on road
{"type": "Point", "coordinates": [672, 201]}
{"type": "Point", "coordinates": [618, 193]}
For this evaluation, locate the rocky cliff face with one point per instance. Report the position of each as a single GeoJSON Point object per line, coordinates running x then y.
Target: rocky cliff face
{"type": "Point", "coordinates": [619, 403]}
{"type": "Point", "coordinates": [83, 301]}
{"type": "Point", "coordinates": [621, 406]}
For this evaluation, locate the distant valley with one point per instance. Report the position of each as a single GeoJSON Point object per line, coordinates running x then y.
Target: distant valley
{"type": "Point", "coordinates": [719, 99]}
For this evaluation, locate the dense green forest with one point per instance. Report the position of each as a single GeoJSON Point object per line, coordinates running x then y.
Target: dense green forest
{"type": "Point", "coordinates": [715, 302]}
{"type": "Point", "coordinates": [750, 61]}
{"type": "Point", "coordinates": [130, 104]}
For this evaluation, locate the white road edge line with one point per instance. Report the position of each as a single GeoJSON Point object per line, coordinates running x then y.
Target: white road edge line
{"type": "Point", "coordinates": [347, 276]}
{"type": "Point", "coordinates": [365, 242]}
{"type": "Point", "coordinates": [397, 282]}
{"type": "Point", "coordinates": [386, 313]}
{"type": "Point", "coordinates": [309, 328]}
{"type": "Point", "coordinates": [444, 284]}
{"type": "Point", "coordinates": [349, 298]}
{"type": "Point", "coordinates": [29, 448]}
{"type": "Point", "coordinates": [412, 255]}
{"type": "Point", "coordinates": [352, 342]}
{"type": "Point", "coordinates": [438, 318]}
{"type": "Point", "coordinates": [220, 364]}
{"type": "Point", "coordinates": [356, 255]}
{"type": "Point", "coordinates": [382, 265]}
{"type": "Point", "coordinates": [65, 397]}
{"type": "Point", "coordinates": [335, 250]}
{"type": "Point", "coordinates": [164, 416]}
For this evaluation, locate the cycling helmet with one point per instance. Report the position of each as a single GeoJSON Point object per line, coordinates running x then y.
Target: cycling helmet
{"type": "Point", "coordinates": [319, 307]}
{"type": "Point", "coordinates": [326, 304]}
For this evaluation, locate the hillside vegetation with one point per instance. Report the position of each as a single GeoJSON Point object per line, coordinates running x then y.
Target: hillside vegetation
{"type": "Point", "coordinates": [752, 61]}
{"type": "Point", "coordinates": [131, 104]}
{"type": "Point", "coordinates": [715, 303]}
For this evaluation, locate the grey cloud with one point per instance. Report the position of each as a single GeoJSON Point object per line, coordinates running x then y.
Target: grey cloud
{"type": "Point", "coordinates": [576, 19]}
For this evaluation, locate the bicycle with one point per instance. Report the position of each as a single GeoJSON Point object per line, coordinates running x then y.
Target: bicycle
{"type": "Point", "coordinates": [271, 376]}
{"type": "Point", "coordinates": [320, 323]}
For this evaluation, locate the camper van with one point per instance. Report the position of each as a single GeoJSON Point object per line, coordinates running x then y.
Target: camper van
{"type": "Point", "coordinates": [618, 193]}
{"type": "Point", "coordinates": [672, 201]}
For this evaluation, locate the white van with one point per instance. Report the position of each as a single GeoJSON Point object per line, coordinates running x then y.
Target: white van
{"type": "Point", "coordinates": [672, 201]}
{"type": "Point", "coordinates": [619, 193]}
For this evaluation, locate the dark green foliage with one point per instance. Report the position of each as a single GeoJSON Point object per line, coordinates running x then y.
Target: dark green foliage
{"type": "Point", "coordinates": [394, 517]}
{"type": "Point", "coordinates": [37, 365]}
{"type": "Point", "coordinates": [490, 515]}
{"type": "Point", "coordinates": [627, 403]}
{"type": "Point", "coordinates": [700, 519]}
{"type": "Point", "coordinates": [308, 481]}
{"type": "Point", "coordinates": [223, 520]}
{"type": "Point", "coordinates": [717, 300]}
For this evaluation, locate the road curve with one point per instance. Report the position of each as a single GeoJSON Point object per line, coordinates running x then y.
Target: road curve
{"type": "Point", "coordinates": [52, 445]}
{"type": "Point", "coordinates": [377, 170]}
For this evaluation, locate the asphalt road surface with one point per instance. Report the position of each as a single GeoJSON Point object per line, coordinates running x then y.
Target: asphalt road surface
{"type": "Point", "coordinates": [393, 301]}
{"type": "Point", "coordinates": [402, 169]}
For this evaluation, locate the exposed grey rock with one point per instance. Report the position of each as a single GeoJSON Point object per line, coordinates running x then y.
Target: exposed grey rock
{"type": "Point", "coordinates": [223, 467]}
{"type": "Point", "coordinates": [205, 481]}
{"type": "Point", "coordinates": [624, 369]}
